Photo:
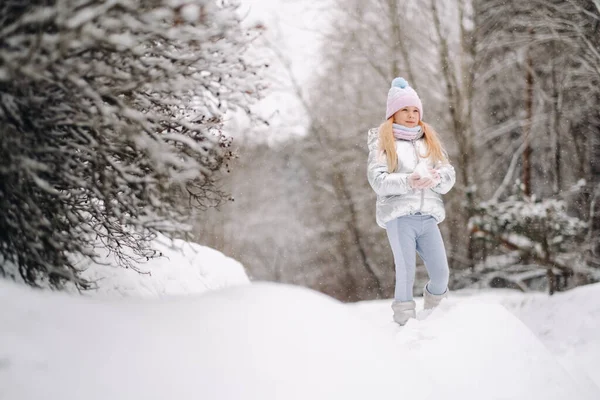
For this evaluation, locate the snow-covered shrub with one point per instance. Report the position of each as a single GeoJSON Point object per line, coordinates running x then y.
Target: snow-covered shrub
{"type": "Point", "coordinates": [540, 231]}
{"type": "Point", "coordinates": [110, 111]}
{"type": "Point", "coordinates": [543, 225]}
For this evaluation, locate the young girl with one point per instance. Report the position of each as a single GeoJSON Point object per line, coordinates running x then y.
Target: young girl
{"type": "Point", "coordinates": [409, 171]}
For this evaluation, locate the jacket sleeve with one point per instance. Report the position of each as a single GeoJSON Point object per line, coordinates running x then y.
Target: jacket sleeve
{"type": "Point", "coordinates": [383, 182]}
{"type": "Point", "coordinates": [448, 178]}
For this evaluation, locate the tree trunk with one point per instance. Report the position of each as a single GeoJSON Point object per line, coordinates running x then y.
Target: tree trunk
{"type": "Point", "coordinates": [557, 184]}
{"type": "Point", "coordinates": [594, 186]}
{"type": "Point", "coordinates": [459, 99]}
{"type": "Point", "coordinates": [399, 45]}
{"type": "Point", "coordinates": [528, 121]}
{"type": "Point", "coordinates": [551, 281]}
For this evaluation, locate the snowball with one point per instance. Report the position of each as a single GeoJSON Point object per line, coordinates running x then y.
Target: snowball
{"type": "Point", "coordinates": [422, 170]}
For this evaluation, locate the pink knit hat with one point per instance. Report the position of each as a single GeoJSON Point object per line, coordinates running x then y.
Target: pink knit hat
{"type": "Point", "coordinates": [402, 95]}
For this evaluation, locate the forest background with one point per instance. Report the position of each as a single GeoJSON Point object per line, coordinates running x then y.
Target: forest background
{"type": "Point", "coordinates": [513, 90]}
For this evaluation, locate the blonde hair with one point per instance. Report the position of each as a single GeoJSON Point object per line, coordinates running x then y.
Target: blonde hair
{"type": "Point", "coordinates": [387, 143]}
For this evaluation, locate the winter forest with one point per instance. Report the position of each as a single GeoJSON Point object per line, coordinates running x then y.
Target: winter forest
{"type": "Point", "coordinates": [512, 87]}
{"type": "Point", "coordinates": [166, 148]}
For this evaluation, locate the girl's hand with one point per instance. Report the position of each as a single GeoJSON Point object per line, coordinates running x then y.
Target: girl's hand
{"type": "Point", "coordinates": [413, 180]}
{"type": "Point", "coordinates": [416, 182]}
{"type": "Point", "coordinates": [435, 176]}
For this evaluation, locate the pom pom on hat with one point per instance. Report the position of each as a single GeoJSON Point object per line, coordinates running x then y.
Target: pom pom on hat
{"type": "Point", "coordinates": [402, 95]}
{"type": "Point", "coordinates": [399, 82]}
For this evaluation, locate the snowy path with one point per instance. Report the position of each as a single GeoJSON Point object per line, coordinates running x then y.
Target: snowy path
{"type": "Point", "coordinates": [474, 342]}
{"type": "Point", "coordinates": [268, 341]}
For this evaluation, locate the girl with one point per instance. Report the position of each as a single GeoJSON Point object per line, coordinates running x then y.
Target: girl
{"type": "Point", "coordinates": [409, 171]}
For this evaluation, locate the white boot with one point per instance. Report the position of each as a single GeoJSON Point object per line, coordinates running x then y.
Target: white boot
{"type": "Point", "coordinates": [403, 311]}
{"type": "Point", "coordinates": [432, 300]}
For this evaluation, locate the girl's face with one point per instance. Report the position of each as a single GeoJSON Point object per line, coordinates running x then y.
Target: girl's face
{"type": "Point", "coordinates": [407, 116]}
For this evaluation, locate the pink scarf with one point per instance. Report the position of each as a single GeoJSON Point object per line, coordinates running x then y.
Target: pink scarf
{"type": "Point", "coordinates": [405, 133]}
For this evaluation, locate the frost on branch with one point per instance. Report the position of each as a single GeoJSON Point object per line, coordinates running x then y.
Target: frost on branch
{"type": "Point", "coordinates": [540, 231]}
{"type": "Point", "coordinates": [109, 112]}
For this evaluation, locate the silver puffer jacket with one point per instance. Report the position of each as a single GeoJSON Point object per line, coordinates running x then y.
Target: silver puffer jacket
{"type": "Point", "coordinates": [395, 197]}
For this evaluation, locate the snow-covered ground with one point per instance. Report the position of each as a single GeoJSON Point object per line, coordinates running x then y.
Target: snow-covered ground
{"type": "Point", "coordinates": [195, 329]}
{"type": "Point", "coordinates": [566, 324]}
{"type": "Point", "coordinates": [269, 341]}
{"type": "Point", "coordinates": [183, 268]}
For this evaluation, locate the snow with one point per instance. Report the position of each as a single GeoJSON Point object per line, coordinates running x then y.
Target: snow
{"type": "Point", "coordinates": [271, 341]}
{"type": "Point", "coordinates": [566, 323]}
{"type": "Point", "coordinates": [183, 268]}
{"type": "Point", "coordinates": [190, 12]}
{"type": "Point", "coordinates": [254, 342]}
{"type": "Point", "coordinates": [477, 347]}
{"type": "Point", "coordinates": [193, 327]}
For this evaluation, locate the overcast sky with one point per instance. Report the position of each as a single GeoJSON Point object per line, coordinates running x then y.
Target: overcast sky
{"type": "Point", "coordinates": [293, 27]}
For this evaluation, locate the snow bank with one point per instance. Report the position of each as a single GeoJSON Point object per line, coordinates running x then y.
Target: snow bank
{"type": "Point", "coordinates": [265, 341]}
{"type": "Point", "coordinates": [251, 342]}
{"type": "Point", "coordinates": [482, 350]}
{"type": "Point", "coordinates": [567, 323]}
{"type": "Point", "coordinates": [183, 268]}
{"type": "Point", "coordinates": [563, 329]}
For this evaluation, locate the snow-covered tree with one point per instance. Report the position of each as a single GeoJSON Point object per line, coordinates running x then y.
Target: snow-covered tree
{"type": "Point", "coordinates": [110, 112]}
{"type": "Point", "coordinates": [501, 95]}
{"type": "Point", "coordinates": [539, 91]}
{"type": "Point", "coordinates": [540, 231]}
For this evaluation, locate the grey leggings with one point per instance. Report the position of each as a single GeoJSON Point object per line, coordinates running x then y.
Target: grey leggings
{"type": "Point", "coordinates": [411, 234]}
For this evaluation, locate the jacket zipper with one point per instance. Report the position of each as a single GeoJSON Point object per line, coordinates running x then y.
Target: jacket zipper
{"type": "Point", "coordinates": [417, 159]}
